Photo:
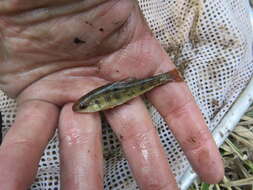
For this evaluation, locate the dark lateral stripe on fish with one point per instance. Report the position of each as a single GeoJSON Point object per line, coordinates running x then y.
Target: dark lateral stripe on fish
{"type": "Point", "coordinates": [107, 98]}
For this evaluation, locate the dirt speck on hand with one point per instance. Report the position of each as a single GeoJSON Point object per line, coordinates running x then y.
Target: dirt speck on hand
{"type": "Point", "coordinates": [78, 41]}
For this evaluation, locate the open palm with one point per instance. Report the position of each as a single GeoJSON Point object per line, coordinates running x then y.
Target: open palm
{"type": "Point", "coordinates": [54, 52]}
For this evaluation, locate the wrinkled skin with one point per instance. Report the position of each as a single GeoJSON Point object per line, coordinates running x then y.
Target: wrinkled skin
{"type": "Point", "coordinates": [53, 52]}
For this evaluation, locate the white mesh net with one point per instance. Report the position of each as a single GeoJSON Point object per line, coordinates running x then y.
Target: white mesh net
{"type": "Point", "coordinates": [213, 40]}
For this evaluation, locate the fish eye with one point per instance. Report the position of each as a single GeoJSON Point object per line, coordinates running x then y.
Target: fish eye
{"type": "Point", "coordinates": [83, 105]}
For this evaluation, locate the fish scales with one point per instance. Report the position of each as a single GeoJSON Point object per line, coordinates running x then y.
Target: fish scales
{"type": "Point", "coordinates": [117, 93]}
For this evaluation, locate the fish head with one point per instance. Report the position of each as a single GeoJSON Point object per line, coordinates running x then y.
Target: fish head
{"type": "Point", "coordinates": [84, 106]}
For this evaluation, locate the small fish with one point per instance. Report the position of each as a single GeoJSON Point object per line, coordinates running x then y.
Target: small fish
{"type": "Point", "coordinates": [117, 93]}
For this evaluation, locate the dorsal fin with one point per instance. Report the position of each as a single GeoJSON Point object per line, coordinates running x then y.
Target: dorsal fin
{"type": "Point", "coordinates": [125, 80]}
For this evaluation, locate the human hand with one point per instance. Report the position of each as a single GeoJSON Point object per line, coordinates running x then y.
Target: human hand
{"type": "Point", "coordinates": [51, 56]}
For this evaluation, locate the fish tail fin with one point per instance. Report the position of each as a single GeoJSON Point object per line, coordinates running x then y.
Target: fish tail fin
{"type": "Point", "coordinates": [174, 76]}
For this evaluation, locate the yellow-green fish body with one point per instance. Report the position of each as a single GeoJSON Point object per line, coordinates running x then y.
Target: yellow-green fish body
{"type": "Point", "coordinates": [117, 93]}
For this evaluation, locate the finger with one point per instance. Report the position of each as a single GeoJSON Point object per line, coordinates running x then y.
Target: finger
{"type": "Point", "coordinates": [176, 104]}
{"type": "Point", "coordinates": [141, 144]}
{"type": "Point", "coordinates": [80, 150]}
{"type": "Point", "coordinates": [24, 144]}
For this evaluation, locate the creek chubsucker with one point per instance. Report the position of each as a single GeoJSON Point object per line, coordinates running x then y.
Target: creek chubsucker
{"type": "Point", "coordinates": [117, 93]}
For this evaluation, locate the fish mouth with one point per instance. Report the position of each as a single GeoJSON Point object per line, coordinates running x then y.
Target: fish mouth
{"type": "Point", "coordinates": [75, 107]}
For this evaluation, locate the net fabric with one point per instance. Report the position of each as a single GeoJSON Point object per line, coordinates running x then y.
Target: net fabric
{"type": "Point", "coordinates": [212, 41]}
